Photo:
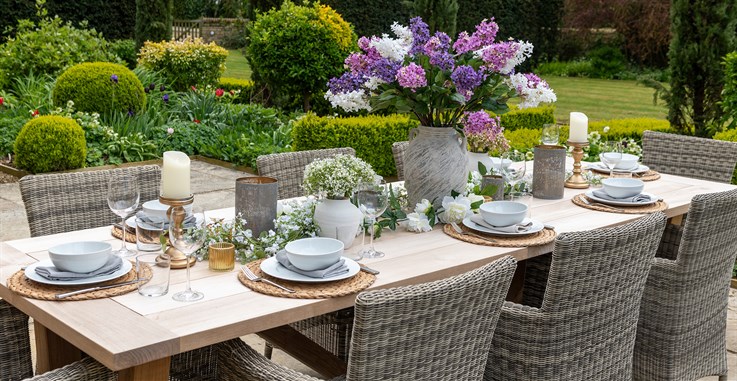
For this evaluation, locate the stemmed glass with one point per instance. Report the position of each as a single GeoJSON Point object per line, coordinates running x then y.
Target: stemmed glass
{"type": "Point", "coordinates": [372, 199]}
{"type": "Point", "coordinates": [188, 238]}
{"type": "Point", "coordinates": [516, 169]}
{"type": "Point", "coordinates": [122, 198]}
{"type": "Point", "coordinates": [611, 154]}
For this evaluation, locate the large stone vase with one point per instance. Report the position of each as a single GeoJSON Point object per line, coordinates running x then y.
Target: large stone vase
{"type": "Point", "coordinates": [435, 164]}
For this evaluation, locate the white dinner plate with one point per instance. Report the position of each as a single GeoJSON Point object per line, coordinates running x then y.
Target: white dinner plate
{"type": "Point", "coordinates": [131, 222]}
{"type": "Point", "coordinates": [272, 267]}
{"type": "Point", "coordinates": [653, 199]}
{"type": "Point", "coordinates": [31, 274]}
{"type": "Point", "coordinates": [536, 227]}
{"type": "Point", "coordinates": [600, 167]}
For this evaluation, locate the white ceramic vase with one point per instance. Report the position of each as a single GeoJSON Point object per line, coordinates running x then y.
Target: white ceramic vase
{"type": "Point", "coordinates": [338, 219]}
{"type": "Point", "coordinates": [475, 157]}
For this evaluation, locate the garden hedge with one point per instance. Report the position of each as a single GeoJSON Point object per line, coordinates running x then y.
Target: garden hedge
{"type": "Point", "coordinates": [245, 86]}
{"type": "Point", "coordinates": [533, 117]}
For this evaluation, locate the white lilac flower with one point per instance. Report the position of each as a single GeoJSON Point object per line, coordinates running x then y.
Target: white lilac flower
{"type": "Point", "coordinates": [423, 207]}
{"type": "Point", "coordinates": [394, 49]}
{"type": "Point", "coordinates": [531, 89]}
{"type": "Point", "coordinates": [418, 223]}
{"type": "Point", "coordinates": [456, 209]}
{"type": "Point", "coordinates": [351, 101]}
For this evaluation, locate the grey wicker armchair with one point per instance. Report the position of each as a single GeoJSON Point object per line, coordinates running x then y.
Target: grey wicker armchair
{"type": "Point", "coordinates": [86, 369]}
{"type": "Point", "coordinates": [683, 315]}
{"type": "Point", "coordinates": [433, 331]}
{"type": "Point", "coordinates": [58, 203]}
{"type": "Point", "coordinates": [689, 156]}
{"type": "Point", "coordinates": [289, 167]}
{"type": "Point", "coordinates": [586, 326]}
{"type": "Point", "coordinates": [15, 344]}
{"type": "Point", "coordinates": [398, 149]}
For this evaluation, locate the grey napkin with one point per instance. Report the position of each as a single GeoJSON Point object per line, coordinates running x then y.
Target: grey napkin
{"type": "Point", "coordinates": [188, 220]}
{"type": "Point", "coordinates": [639, 199]}
{"type": "Point", "coordinates": [338, 268]}
{"type": "Point", "coordinates": [518, 228]}
{"type": "Point", "coordinates": [52, 273]}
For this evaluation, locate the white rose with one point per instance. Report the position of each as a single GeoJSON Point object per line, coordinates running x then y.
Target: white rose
{"type": "Point", "coordinates": [422, 207]}
{"type": "Point", "coordinates": [418, 223]}
{"type": "Point", "coordinates": [456, 209]}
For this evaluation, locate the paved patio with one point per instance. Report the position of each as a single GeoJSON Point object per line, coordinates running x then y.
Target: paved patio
{"type": "Point", "coordinates": [214, 187]}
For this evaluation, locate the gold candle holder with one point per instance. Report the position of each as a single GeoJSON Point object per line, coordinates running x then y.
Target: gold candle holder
{"type": "Point", "coordinates": [577, 181]}
{"type": "Point", "coordinates": [221, 256]}
{"type": "Point", "coordinates": [176, 209]}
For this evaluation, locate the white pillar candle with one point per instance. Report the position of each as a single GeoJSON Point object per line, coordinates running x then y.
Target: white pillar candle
{"type": "Point", "coordinates": [175, 175]}
{"type": "Point", "coordinates": [579, 131]}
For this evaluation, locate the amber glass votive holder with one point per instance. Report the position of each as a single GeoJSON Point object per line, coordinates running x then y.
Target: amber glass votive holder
{"type": "Point", "coordinates": [222, 256]}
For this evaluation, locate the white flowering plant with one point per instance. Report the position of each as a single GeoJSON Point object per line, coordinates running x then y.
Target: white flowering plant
{"type": "Point", "coordinates": [596, 139]}
{"type": "Point", "coordinates": [336, 177]}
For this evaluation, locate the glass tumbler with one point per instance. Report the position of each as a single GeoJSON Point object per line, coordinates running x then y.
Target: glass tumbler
{"type": "Point", "coordinates": [550, 134]}
{"type": "Point", "coordinates": [148, 234]}
{"type": "Point", "coordinates": [160, 266]}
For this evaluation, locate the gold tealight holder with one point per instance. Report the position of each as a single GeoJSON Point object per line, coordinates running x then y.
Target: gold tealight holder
{"type": "Point", "coordinates": [176, 209]}
{"type": "Point", "coordinates": [577, 181]}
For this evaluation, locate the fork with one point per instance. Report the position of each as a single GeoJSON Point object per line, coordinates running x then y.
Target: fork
{"type": "Point", "coordinates": [463, 232]}
{"type": "Point", "coordinates": [251, 276]}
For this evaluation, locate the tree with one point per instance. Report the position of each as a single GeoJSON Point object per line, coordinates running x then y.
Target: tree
{"type": "Point", "coordinates": [440, 15]}
{"type": "Point", "coordinates": [153, 21]}
{"type": "Point", "coordinates": [703, 33]}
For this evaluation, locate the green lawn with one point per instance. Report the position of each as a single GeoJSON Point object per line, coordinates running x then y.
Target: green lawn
{"type": "Point", "coordinates": [236, 66]}
{"type": "Point", "coordinates": [597, 98]}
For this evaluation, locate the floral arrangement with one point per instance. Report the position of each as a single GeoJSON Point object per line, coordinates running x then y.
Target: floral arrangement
{"type": "Point", "coordinates": [434, 78]}
{"type": "Point", "coordinates": [336, 177]}
{"type": "Point", "coordinates": [596, 139]}
{"type": "Point", "coordinates": [484, 133]}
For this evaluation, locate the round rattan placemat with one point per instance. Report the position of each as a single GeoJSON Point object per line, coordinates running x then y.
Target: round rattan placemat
{"type": "Point", "coordinates": [540, 238]}
{"type": "Point", "coordinates": [118, 233]}
{"type": "Point", "coordinates": [21, 285]}
{"type": "Point", "coordinates": [645, 209]}
{"type": "Point", "coordinates": [650, 175]}
{"type": "Point", "coordinates": [306, 290]}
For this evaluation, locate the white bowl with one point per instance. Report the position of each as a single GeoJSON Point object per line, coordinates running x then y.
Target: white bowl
{"type": "Point", "coordinates": [628, 161]}
{"type": "Point", "coordinates": [155, 208]}
{"type": "Point", "coordinates": [314, 253]}
{"type": "Point", "coordinates": [503, 213]}
{"type": "Point", "coordinates": [80, 257]}
{"type": "Point", "coordinates": [622, 187]}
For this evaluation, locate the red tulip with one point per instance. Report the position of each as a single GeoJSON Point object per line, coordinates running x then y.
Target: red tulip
{"type": "Point", "coordinates": [219, 92]}
{"type": "Point", "coordinates": [196, 121]}
{"type": "Point", "coordinates": [2, 101]}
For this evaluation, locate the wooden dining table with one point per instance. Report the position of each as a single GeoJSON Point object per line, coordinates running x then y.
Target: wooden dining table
{"type": "Point", "coordinates": [137, 335]}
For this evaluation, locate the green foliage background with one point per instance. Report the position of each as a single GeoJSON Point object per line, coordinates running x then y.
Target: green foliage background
{"type": "Point", "coordinates": [153, 21]}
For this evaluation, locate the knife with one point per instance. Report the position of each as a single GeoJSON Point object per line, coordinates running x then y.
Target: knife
{"type": "Point", "coordinates": [369, 269]}
{"type": "Point", "coordinates": [90, 289]}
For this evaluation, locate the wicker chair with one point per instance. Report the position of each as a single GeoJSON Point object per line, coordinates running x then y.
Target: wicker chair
{"type": "Point", "coordinates": [86, 369]}
{"type": "Point", "coordinates": [58, 203]}
{"type": "Point", "coordinates": [683, 315]}
{"type": "Point", "coordinates": [398, 149]}
{"type": "Point", "coordinates": [15, 344]}
{"type": "Point", "coordinates": [586, 326]}
{"type": "Point", "coordinates": [689, 156]}
{"type": "Point", "coordinates": [433, 331]}
{"type": "Point", "coordinates": [288, 167]}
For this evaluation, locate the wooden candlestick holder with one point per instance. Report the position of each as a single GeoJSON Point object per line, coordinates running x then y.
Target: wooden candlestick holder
{"type": "Point", "coordinates": [577, 181]}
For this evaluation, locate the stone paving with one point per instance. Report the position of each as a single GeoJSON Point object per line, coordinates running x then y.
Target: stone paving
{"type": "Point", "coordinates": [214, 187]}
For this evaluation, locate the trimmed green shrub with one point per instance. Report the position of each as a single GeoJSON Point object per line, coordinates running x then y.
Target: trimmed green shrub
{"type": "Point", "coordinates": [50, 143]}
{"type": "Point", "coordinates": [246, 88]}
{"type": "Point", "coordinates": [533, 117]}
{"type": "Point", "coordinates": [92, 88]}
{"type": "Point", "coordinates": [606, 61]}
{"type": "Point", "coordinates": [729, 94]}
{"type": "Point", "coordinates": [371, 136]}
{"type": "Point", "coordinates": [295, 50]}
{"type": "Point", "coordinates": [126, 51]}
{"type": "Point", "coordinates": [185, 63]}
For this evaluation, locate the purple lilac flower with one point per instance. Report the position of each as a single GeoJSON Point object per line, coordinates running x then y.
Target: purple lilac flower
{"type": "Point", "coordinates": [346, 83]}
{"type": "Point", "coordinates": [420, 35]}
{"type": "Point", "coordinates": [357, 63]}
{"type": "Point", "coordinates": [114, 78]}
{"type": "Point", "coordinates": [466, 79]}
{"type": "Point", "coordinates": [483, 132]}
{"type": "Point", "coordinates": [484, 35]}
{"type": "Point", "coordinates": [385, 69]}
{"type": "Point", "coordinates": [464, 43]}
{"type": "Point", "coordinates": [166, 98]}
{"type": "Point", "coordinates": [534, 81]}
{"type": "Point", "coordinates": [496, 56]}
{"type": "Point", "coordinates": [411, 76]}
{"type": "Point", "coordinates": [437, 49]}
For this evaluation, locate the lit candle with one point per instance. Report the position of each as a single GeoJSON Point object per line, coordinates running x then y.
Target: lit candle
{"type": "Point", "coordinates": [579, 131]}
{"type": "Point", "coordinates": [175, 175]}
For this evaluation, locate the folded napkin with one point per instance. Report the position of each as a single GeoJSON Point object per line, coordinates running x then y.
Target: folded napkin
{"type": "Point", "coordinates": [639, 199]}
{"type": "Point", "coordinates": [52, 273]}
{"type": "Point", "coordinates": [338, 268]}
{"type": "Point", "coordinates": [189, 220]}
{"type": "Point", "coordinates": [518, 228]}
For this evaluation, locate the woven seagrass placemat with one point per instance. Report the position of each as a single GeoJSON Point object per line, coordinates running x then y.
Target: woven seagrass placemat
{"type": "Point", "coordinates": [21, 285]}
{"type": "Point", "coordinates": [540, 238]}
{"type": "Point", "coordinates": [650, 175]}
{"type": "Point", "coordinates": [118, 233]}
{"type": "Point", "coordinates": [645, 209]}
{"type": "Point", "coordinates": [333, 289]}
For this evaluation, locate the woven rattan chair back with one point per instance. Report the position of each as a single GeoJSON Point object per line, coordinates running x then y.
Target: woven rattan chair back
{"type": "Point", "coordinates": [15, 344]}
{"type": "Point", "coordinates": [289, 167]}
{"type": "Point", "coordinates": [86, 369]}
{"type": "Point", "coordinates": [682, 326]}
{"type": "Point", "coordinates": [434, 331]}
{"type": "Point", "coordinates": [398, 149]}
{"type": "Point", "coordinates": [689, 156]}
{"type": "Point", "coordinates": [58, 203]}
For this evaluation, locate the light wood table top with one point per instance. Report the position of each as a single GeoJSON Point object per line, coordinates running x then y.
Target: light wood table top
{"type": "Point", "coordinates": [132, 331]}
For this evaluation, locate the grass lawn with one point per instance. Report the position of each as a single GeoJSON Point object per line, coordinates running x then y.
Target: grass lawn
{"type": "Point", "coordinates": [597, 98]}
{"type": "Point", "coordinates": [236, 66]}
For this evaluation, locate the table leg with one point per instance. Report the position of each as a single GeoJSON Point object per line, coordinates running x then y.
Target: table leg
{"type": "Point", "coordinates": [518, 282]}
{"type": "Point", "coordinates": [157, 370]}
{"type": "Point", "coordinates": [52, 351]}
{"type": "Point", "coordinates": [305, 350]}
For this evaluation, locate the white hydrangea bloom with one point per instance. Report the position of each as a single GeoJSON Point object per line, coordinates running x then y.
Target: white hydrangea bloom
{"type": "Point", "coordinates": [351, 101]}
{"type": "Point", "coordinates": [456, 209]}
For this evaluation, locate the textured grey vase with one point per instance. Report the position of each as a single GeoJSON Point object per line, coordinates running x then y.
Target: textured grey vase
{"type": "Point", "coordinates": [255, 200]}
{"type": "Point", "coordinates": [435, 164]}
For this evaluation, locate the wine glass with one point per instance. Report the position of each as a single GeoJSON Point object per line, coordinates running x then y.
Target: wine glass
{"type": "Point", "coordinates": [122, 198]}
{"type": "Point", "coordinates": [515, 171]}
{"type": "Point", "coordinates": [187, 234]}
{"type": "Point", "coordinates": [372, 199]}
{"type": "Point", "coordinates": [611, 154]}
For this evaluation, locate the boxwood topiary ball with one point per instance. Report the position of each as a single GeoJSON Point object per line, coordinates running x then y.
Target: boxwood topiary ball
{"type": "Point", "coordinates": [100, 87]}
{"type": "Point", "coordinates": [50, 143]}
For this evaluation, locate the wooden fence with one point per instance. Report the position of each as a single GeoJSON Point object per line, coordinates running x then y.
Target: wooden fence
{"type": "Point", "coordinates": [182, 29]}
